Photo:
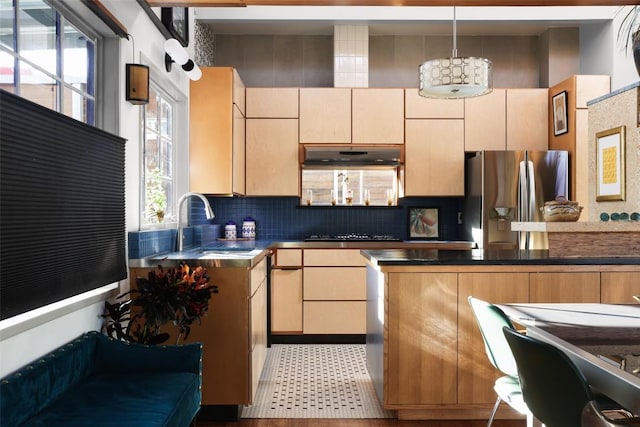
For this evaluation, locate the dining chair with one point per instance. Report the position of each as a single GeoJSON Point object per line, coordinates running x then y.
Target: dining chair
{"type": "Point", "coordinates": [555, 390]}
{"type": "Point", "coordinates": [491, 319]}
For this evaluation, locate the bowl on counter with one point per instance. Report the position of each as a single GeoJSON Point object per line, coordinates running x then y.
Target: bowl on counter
{"type": "Point", "coordinates": [561, 210]}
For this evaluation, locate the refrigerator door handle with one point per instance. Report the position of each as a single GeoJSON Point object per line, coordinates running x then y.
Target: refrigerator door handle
{"type": "Point", "coordinates": [522, 203]}
{"type": "Point", "coordinates": [531, 178]}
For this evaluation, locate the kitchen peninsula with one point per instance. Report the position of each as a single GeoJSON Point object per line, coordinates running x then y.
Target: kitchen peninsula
{"type": "Point", "coordinates": [424, 352]}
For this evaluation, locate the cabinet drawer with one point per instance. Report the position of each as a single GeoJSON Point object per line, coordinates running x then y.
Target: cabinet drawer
{"type": "Point", "coordinates": [335, 283]}
{"type": "Point", "coordinates": [334, 258]}
{"type": "Point", "coordinates": [335, 317]}
{"type": "Point", "coordinates": [289, 257]}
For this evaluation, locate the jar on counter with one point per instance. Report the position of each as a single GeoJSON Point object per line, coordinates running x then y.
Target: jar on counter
{"type": "Point", "coordinates": [249, 228]}
{"type": "Point", "coordinates": [230, 232]}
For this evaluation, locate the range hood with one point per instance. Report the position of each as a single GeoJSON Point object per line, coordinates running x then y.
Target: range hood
{"type": "Point", "coordinates": [352, 155]}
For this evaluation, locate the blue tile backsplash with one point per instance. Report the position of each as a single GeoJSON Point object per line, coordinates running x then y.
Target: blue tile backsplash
{"type": "Point", "coordinates": [283, 219]}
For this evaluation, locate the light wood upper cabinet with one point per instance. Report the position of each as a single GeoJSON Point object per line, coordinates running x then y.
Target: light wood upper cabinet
{"type": "Point", "coordinates": [527, 112]}
{"type": "Point", "coordinates": [377, 116]}
{"type": "Point", "coordinates": [434, 157]}
{"type": "Point", "coordinates": [272, 102]}
{"type": "Point", "coordinates": [216, 132]}
{"type": "Point", "coordinates": [507, 119]}
{"type": "Point", "coordinates": [419, 107]}
{"type": "Point", "coordinates": [325, 115]}
{"type": "Point", "coordinates": [272, 157]}
{"type": "Point", "coordinates": [485, 121]}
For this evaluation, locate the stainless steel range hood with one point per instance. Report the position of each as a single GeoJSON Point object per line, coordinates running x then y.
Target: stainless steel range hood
{"type": "Point", "coordinates": [353, 155]}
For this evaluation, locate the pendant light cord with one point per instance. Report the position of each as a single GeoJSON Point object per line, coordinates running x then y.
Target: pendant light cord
{"type": "Point", "coordinates": [133, 47]}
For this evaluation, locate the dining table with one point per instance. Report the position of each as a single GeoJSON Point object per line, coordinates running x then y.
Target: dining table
{"type": "Point", "coordinates": [602, 340]}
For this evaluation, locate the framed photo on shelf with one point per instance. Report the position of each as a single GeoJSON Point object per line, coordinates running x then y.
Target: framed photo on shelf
{"type": "Point", "coordinates": [424, 223]}
{"type": "Point", "coordinates": [560, 116]}
{"type": "Point", "coordinates": [176, 21]}
{"type": "Point", "coordinates": [610, 164]}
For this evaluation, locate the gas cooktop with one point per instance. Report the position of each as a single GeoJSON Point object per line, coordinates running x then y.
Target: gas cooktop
{"type": "Point", "coordinates": [350, 237]}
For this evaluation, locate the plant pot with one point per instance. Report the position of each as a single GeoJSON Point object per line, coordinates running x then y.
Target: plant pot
{"type": "Point", "coordinates": [160, 216]}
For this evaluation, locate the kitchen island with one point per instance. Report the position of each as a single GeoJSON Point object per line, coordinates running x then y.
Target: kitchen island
{"type": "Point", "coordinates": [424, 351]}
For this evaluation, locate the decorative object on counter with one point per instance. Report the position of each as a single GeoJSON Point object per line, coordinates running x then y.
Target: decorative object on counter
{"type": "Point", "coordinates": [610, 164]}
{"type": "Point", "coordinates": [309, 200]}
{"type": "Point", "coordinates": [604, 217]}
{"type": "Point", "coordinates": [230, 231]}
{"type": "Point", "coordinates": [390, 197]}
{"type": "Point", "coordinates": [349, 197]}
{"type": "Point", "coordinates": [560, 117]}
{"type": "Point", "coordinates": [423, 223]}
{"type": "Point", "coordinates": [367, 197]}
{"type": "Point", "coordinates": [249, 228]}
{"type": "Point", "coordinates": [333, 198]}
{"type": "Point", "coordinates": [622, 216]}
{"type": "Point", "coordinates": [178, 296]}
{"type": "Point", "coordinates": [635, 216]}
{"type": "Point", "coordinates": [455, 77]}
{"type": "Point", "coordinates": [561, 210]}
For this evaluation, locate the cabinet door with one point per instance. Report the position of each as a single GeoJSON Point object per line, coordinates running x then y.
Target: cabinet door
{"type": "Point", "coordinates": [258, 335]}
{"type": "Point", "coordinates": [239, 152]}
{"type": "Point", "coordinates": [422, 346]}
{"type": "Point", "coordinates": [476, 375]}
{"type": "Point", "coordinates": [619, 287]}
{"type": "Point", "coordinates": [434, 158]}
{"type": "Point", "coordinates": [485, 121]}
{"type": "Point", "coordinates": [325, 115]}
{"type": "Point", "coordinates": [527, 123]}
{"type": "Point", "coordinates": [272, 102]}
{"type": "Point", "coordinates": [564, 287]}
{"type": "Point", "coordinates": [378, 116]}
{"type": "Point", "coordinates": [419, 107]}
{"type": "Point", "coordinates": [335, 283]}
{"type": "Point", "coordinates": [286, 301]}
{"type": "Point", "coordinates": [335, 317]}
{"type": "Point", "coordinates": [272, 157]}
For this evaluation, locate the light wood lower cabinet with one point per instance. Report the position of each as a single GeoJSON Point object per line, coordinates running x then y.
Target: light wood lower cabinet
{"type": "Point", "coordinates": [618, 287]}
{"type": "Point", "coordinates": [286, 301]}
{"type": "Point", "coordinates": [565, 287]}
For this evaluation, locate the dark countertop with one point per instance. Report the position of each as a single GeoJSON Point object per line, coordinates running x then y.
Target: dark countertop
{"type": "Point", "coordinates": [477, 257]}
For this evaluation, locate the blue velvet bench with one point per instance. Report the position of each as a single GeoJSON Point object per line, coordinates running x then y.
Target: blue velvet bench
{"type": "Point", "coordinates": [97, 381]}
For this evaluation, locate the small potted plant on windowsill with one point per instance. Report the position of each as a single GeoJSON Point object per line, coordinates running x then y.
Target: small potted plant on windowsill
{"type": "Point", "coordinates": [629, 33]}
{"type": "Point", "coordinates": [155, 196]}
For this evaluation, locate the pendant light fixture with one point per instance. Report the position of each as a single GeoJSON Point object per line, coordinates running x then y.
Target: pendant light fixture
{"type": "Point", "coordinates": [455, 77]}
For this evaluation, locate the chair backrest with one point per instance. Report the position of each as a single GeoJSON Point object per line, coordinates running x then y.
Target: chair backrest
{"type": "Point", "coordinates": [552, 386]}
{"type": "Point", "coordinates": [491, 319]}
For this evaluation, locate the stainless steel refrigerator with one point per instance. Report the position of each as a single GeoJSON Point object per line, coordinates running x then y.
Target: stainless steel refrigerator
{"type": "Point", "coordinates": [506, 186]}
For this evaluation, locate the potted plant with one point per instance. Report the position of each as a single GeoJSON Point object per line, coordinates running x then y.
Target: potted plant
{"type": "Point", "coordinates": [629, 33]}
{"type": "Point", "coordinates": [155, 195]}
{"type": "Point", "coordinates": [178, 296]}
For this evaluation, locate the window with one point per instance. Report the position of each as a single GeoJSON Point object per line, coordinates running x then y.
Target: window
{"type": "Point", "coordinates": [375, 187]}
{"type": "Point", "coordinates": [158, 169]}
{"type": "Point", "coordinates": [46, 59]}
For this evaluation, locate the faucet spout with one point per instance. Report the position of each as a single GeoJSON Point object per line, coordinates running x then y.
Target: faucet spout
{"type": "Point", "coordinates": [207, 211]}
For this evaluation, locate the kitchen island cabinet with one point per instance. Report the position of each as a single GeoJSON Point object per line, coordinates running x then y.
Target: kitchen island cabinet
{"type": "Point", "coordinates": [425, 353]}
{"type": "Point", "coordinates": [217, 132]}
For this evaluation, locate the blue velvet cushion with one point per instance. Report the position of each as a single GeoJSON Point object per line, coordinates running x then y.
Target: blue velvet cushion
{"type": "Point", "coordinates": [126, 400]}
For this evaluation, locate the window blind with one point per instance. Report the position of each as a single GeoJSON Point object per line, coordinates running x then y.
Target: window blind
{"type": "Point", "coordinates": [62, 217]}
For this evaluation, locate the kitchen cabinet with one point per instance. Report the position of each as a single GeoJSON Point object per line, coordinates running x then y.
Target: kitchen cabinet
{"type": "Point", "coordinates": [272, 157]}
{"type": "Point", "coordinates": [580, 89]}
{"type": "Point", "coordinates": [564, 287]}
{"type": "Point", "coordinates": [217, 132]}
{"type": "Point", "coordinates": [618, 287]}
{"type": "Point", "coordinates": [258, 313]}
{"type": "Point", "coordinates": [334, 291]}
{"type": "Point", "coordinates": [286, 292]}
{"type": "Point", "coordinates": [434, 157]}
{"type": "Point", "coordinates": [507, 119]}
{"type": "Point", "coordinates": [325, 115]}
{"type": "Point", "coordinates": [419, 107]}
{"type": "Point", "coordinates": [272, 102]}
{"type": "Point", "coordinates": [377, 116]}
{"type": "Point", "coordinates": [422, 339]}
{"type": "Point", "coordinates": [476, 376]}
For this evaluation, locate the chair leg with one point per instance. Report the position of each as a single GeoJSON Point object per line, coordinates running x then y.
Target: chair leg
{"type": "Point", "coordinates": [493, 412]}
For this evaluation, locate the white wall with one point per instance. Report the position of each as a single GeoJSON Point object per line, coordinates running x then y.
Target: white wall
{"type": "Point", "coordinates": [26, 337]}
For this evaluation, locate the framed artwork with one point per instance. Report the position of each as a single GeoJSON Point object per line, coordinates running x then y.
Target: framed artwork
{"type": "Point", "coordinates": [176, 20]}
{"type": "Point", "coordinates": [424, 223]}
{"type": "Point", "coordinates": [610, 164]}
{"type": "Point", "coordinates": [560, 119]}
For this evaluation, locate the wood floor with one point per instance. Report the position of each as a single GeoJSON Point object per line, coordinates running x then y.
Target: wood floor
{"type": "Point", "coordinates": [355, 423]}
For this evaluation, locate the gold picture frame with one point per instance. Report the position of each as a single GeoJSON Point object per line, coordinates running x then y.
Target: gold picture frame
{"type": "Point", "coordinates": [610, 164]}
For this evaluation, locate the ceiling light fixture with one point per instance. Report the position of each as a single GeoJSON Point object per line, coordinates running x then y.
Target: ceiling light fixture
{"type": "Point", "coordinates": [174, 52]}
{"type": "Point", "coordinates": [455, 77]}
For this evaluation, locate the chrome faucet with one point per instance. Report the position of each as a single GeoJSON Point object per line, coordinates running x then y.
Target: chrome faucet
{"type": "Point", "coordinates": [207, 211]}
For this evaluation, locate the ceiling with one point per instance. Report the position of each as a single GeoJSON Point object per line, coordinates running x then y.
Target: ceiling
{"type": "Point", "coordinates": [405, 20]}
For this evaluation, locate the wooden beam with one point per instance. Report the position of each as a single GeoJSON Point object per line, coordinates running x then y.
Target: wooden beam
{"type": "Point", "coordinates": [107, 17]}
{"type": "Point", "coordinates": [505, 3]}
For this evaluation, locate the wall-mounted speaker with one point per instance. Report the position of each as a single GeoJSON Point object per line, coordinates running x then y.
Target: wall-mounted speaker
{"type": "Point", "coordinates": [137, 84]}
